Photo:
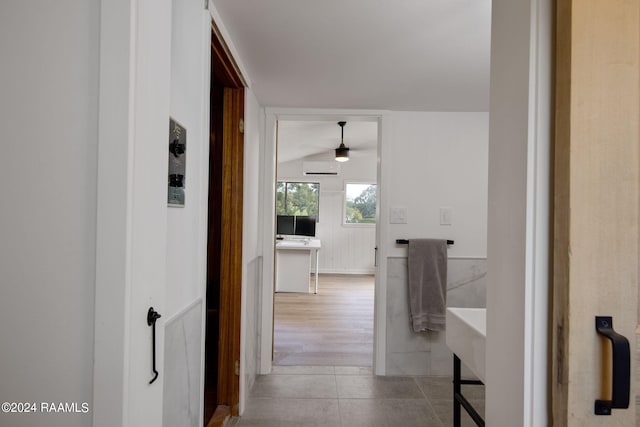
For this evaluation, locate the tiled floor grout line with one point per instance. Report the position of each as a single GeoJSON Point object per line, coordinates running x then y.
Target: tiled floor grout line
{"type": "Point", "coordinates": [338, 398]}
{"type": "Point", "coordinates": [433, 410]}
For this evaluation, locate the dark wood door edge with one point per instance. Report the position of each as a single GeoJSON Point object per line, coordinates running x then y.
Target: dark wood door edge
{"type": "Point", "coordinates": [218, 418]}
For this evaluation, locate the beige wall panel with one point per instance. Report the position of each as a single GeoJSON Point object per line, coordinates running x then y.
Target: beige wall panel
{"type": "Point", "coordinates": [596, 199]}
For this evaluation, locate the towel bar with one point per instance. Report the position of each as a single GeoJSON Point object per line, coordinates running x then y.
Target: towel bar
{"type": "Point", "coordinates": [406, 241]}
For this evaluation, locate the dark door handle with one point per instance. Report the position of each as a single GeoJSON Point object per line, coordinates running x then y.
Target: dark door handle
{"type": "Point", "coordinates": [152, 316]}
{"type": "Point", "coordinates": [621, 375]}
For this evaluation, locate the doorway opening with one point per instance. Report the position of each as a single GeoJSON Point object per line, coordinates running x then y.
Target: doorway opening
{"type": "Point", "coordinates": [331, 321]}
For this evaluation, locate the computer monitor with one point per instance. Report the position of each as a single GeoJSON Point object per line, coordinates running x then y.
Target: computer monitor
{"type": "Point", "coordinates": [285, 225]}
{"type": "Point", "coordinates": [305, 226]}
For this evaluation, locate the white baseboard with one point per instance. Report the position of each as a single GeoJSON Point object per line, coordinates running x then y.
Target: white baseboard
{"type": "Point", "coordinates": [355, 271]}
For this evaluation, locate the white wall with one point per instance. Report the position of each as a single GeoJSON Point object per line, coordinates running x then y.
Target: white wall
{"type": "Point", "coordinates": [187, 226]}
{"type": "Point", "coordinates": [346, 249]}
{"type": "Point", "coordinates": [439, 160]}
{"type": "Point", "coordinates": [251, 241]}
{"type": "Point", "coordinates": [48, 114]}
{"type": "Point", "coordinates": [518, 245]}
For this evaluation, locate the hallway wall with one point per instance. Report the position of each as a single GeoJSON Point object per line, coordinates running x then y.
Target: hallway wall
{"type": "Point", "coordinates": [48, 114]}
{"type": "Point", "coordinates": [251, 240]}
{"type": "Point", "coordinates": [187, 226]}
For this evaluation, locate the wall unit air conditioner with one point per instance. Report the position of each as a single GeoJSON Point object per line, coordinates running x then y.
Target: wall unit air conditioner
{"type": "Point", "coordinates": [321, 168]}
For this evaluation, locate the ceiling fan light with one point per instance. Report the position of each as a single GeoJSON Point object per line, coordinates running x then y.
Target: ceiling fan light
{"type": "Point", "coordinates": [342, 153]}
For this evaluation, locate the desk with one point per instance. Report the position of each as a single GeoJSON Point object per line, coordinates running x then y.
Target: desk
{"type": "Point", "coordinates": [293, 264]}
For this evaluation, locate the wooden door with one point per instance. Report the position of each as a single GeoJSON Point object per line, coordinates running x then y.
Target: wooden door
{"type": "Point", "coordinates": [231, 250]}
{"type": "Point", "coordinates": [595, 203]}
{"type": "Point", "coordinates": [224, 248]}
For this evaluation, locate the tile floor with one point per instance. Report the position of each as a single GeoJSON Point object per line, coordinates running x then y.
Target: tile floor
{"type": "Point", "coordinates": [310, 396]}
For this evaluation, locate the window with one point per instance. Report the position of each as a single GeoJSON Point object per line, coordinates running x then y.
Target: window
{"type": "Point", "coordinates": [297, 198]}
{"type": "Point", "coordinates": [360, 203]}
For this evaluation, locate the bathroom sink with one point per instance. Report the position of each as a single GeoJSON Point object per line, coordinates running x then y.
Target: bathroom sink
{"type": "Point", "coordinates": [466, 335]}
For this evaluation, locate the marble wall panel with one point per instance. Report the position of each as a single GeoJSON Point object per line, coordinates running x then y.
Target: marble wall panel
{"type": "Point", "coordinates": [252, 322]}
{"type": "Point", "coordinates": [426, 353]}
{"type": "Point", "coordinates": [183, 368]}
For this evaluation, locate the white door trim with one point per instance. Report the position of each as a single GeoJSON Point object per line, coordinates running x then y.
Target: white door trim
{"type": "Point", "coordinates": [113, 275]}
{"type": "Point", "coordinates": [518, 216]}
{"type": "Point", "coordinates": [135, 49]}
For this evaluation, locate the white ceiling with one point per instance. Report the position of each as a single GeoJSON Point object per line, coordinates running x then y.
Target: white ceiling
{"type": "Point", "coordinates": [416, 55]}
{"type": "Point", "coordinates": [422, 55]}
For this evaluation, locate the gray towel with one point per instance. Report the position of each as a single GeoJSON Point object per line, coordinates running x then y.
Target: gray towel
{"type": "Point", "coordinates": [428, 284]}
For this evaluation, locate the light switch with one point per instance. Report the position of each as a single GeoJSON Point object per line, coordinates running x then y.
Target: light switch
{"type": "Point", "coordinates": [398, 215]}
{"type": "Point", "coordinates": [177, 163]}
{"type": "Point", "coordinates": [446, 214]}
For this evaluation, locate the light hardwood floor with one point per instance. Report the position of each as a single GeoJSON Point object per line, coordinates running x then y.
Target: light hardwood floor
{"type": "Point", "coordinates": [332, 328]}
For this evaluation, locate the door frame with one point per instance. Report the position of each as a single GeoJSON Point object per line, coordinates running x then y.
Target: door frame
{"type": "Point", "coordinates": [228, 73]}
{"type": "Point", "coordinates": [268, 225]}
{"type": "Point", "coordinates": [518, 238]}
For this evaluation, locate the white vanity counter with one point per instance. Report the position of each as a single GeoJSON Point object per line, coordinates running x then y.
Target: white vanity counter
{"type": "Point", "coordinates": [466, 335]}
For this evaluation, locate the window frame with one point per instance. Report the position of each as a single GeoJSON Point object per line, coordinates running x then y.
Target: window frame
{"type": "Point", "coordinates": [344, 205]}
{"type": "Point", "coordinates": [295, 181]}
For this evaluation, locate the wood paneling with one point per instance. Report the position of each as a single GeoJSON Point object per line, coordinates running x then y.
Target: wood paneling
{"type": "Point", "coordinates": [345, 249]}
{"type": "Point", "coordinates": [595, 200]}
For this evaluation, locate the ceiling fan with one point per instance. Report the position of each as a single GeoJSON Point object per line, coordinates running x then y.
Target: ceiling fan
{"type": "Point", "coordinates": [315, 140]}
